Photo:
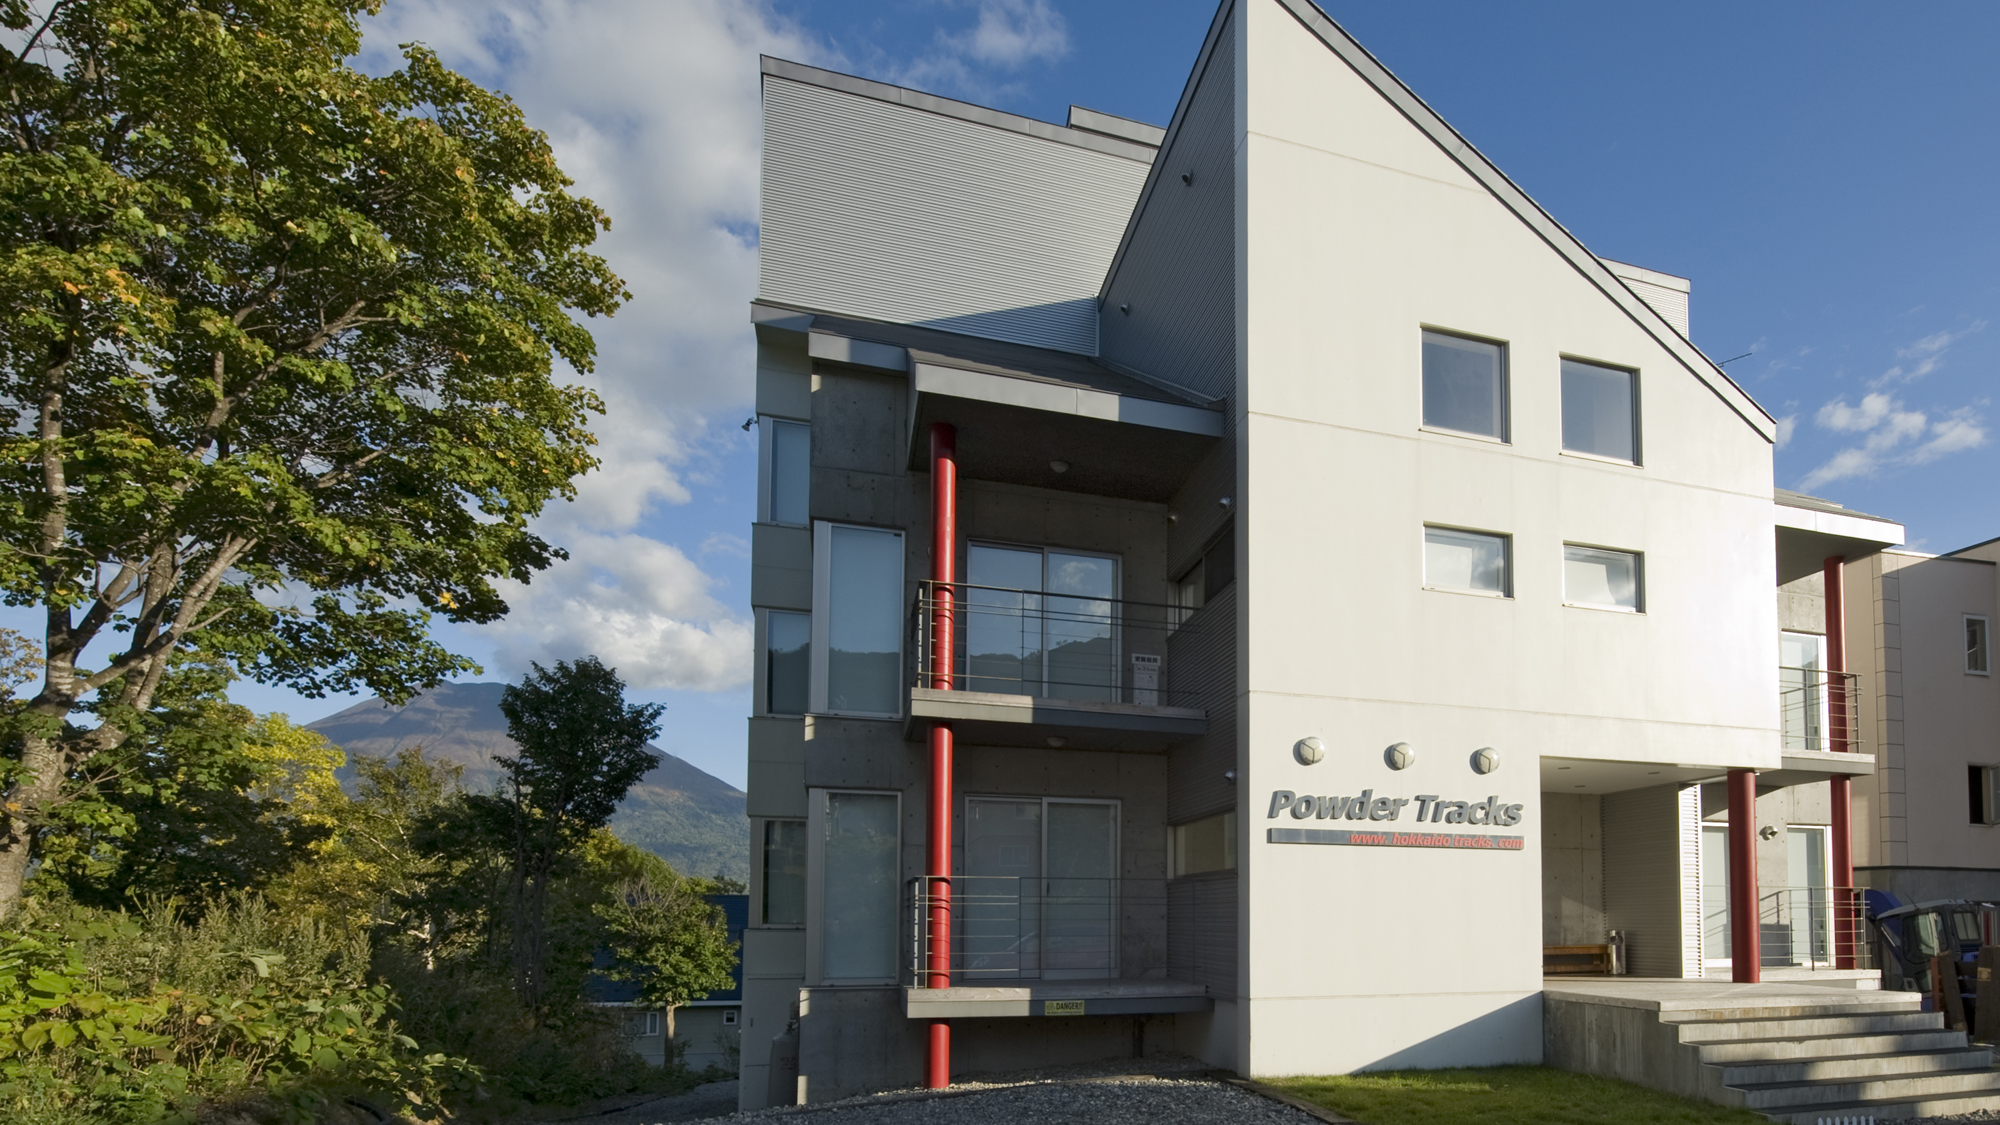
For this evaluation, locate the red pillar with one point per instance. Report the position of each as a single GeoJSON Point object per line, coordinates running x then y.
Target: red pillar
{"type": "Point", "coordinates": [1840, 715]}
{"type": "Point", "coordinates": [1743, 952]}
{"type": "Point", "coordinates": [944, 571]}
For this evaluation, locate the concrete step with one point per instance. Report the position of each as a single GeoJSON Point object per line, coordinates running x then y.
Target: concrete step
{"type": "Point", "coordinates": [1827, 1046]}
{"type": "Point", "coordinates": [1803, 1009]}
{"type": "Point", "coordinates": [1909, 1087]}
{"type": "Point", "coordinates": [1885, 1109]}
{"type": "Point", "coordinates": [1716, 1031]}
{"type": "Point", "coordinates": [1852, 1067]}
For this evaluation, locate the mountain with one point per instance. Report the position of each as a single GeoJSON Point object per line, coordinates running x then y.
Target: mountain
{"type": "Point", "coordinates": [692, 819]}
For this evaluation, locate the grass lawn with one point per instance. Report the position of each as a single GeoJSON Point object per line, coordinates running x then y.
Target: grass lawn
{"type": "Point", "coordinates": [1501, 1095]}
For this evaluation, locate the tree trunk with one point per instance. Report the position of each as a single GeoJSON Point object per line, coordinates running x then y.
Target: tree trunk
{"type": "Point", "coordinates": [42, 759]}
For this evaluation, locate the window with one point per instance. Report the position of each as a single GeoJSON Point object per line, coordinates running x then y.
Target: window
{"type": "Point", "coordinates": [1601, 579]}
{"type": "Point", "coordinates": [729, 1017]}
{"type": "Point", "coordinates": [1468, 562]}
{"type": "Point", "coordinates": [858, 918]}
{"type": "Point", "coordinates": [857, 646]}
{"type": "Point", "coordinates": [1041, 622]}
{"type": "Point", "coordinates": [1600, 410]}
{"type": "Point", "coordinates": [1205, 845]}
{"type": "Point", "coordinates": [787, 662]}
{"type": "Point", "coordinates": [784, 874]}
{"type": "Point", "coordinates": [1982, 791]}
{"type": "Point", "coordinates": [1978, 658]}
{"type": "Point", "coordinates": [786, 470]}
{"type": "Point", "coordinates": [1465, 385]}
{"type": "Point", "coordinates": [1803, 704]}
{"type": "Point", "coordinates": [1039, 890]}
{"type": "Point", "coordinates": [641, 1024]}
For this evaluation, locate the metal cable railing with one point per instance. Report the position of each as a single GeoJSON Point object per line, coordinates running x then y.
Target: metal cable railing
{"type": "Point", "coordinates": [1007, 927]}
{"type": "Point", "coordinates": [1817, 709]}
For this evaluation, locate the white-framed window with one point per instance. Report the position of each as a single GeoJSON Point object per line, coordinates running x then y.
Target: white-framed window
{"type": "Point", "coordinates": [784, 471]}
{"type": "Point", "coordinates": [1982, 790]}
{"type": "Point", "coordinates": [642, 1024]}
{"type": "Point", "coordinates": [1603, 579]}
{"type": "Point", "coordinates": [1465, 385]}
{"type": "Point", "coordinates": [729, 1017]}
{"type": "Point", "coordinates": [857, 621]}
{"type": "Point", "coordinates": [1468, 562]}
{"type": "Point", "coordinates": [1041, 621]}
{"type": "Point", "coordinates": [1978, 647]}
{"type": "Point", "coordinates": [781, 882]}
{"type": "Point", "coordinates": [1208, 844]}
{"type": "Point", "coordinates": [787, 667]}
{"type": "Point", "coordinates": [853, 885]}
{"type": "Point", "coordinates": [1804, 704]}
{"type": "Point", "coordinates": [1600, 410]}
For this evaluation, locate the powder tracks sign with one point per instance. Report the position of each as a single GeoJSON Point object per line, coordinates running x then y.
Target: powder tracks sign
{"type": "Point", "coordinates": [1367, 806]}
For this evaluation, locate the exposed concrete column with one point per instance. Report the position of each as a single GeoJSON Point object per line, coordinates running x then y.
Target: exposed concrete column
{"type": "Point", "coordinates": [944, 571]}
{"type": "Point", "coordinates": [1840, 718]}
{"type": "Point", "coordinates": [1744, 954]}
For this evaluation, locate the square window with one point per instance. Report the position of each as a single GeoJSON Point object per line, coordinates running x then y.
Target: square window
{"type": "Point", "coordinates": [729, 1017]}
{"type": "Point", "coordinates": [1465, 385]}
{"type": "Point", "coordinates": [1978, 651]}
{"type": "Point", "coordinates": [1466, 561]}
{"type": "Point", "coordinates": [1600, 410]}
{"type": "Point", "coordinates": [1601, 579]}
{"type": "Point", "coordinates": [787, 661]}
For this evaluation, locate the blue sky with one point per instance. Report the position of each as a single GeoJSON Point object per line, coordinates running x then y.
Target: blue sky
{"type": "Point", "coordinates": [1823, 172]}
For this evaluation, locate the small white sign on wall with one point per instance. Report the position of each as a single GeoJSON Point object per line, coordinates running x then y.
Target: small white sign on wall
{"type": "Point", "coordinates": [1145, 679]}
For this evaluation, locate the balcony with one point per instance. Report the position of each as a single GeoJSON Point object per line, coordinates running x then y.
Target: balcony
{"type": "Point", "coordinates": [1036, 668]}
{"type": "Point", "coordinates": [1023, 946]}
{"type": "Point", "coordinates": [1818, 728]}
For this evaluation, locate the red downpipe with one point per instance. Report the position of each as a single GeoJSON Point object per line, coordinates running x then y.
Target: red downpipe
{"type": "Point", "coordinates": [1841, 717]}
{"type": "Point", "coordinates": [944, 571]}
{"type": "Point", "coordinates": [1744, 955]}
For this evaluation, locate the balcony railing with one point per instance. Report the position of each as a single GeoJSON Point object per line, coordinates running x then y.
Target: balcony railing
{"type": "Point", "coordinates": [1015, 928]}
{"type": "Point", "coordinates": [1054, 645]}
{"type": "Point", "coordinates": [1817, 710]}
{"type": "Point", "coordinates": [1813, 928]}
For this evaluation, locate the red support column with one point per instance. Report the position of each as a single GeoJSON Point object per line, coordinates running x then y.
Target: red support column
{"type": "Point", "coordinates": [1840, 717]}
{"type": "Point", "coordinates": [1744, 955]}
{"type": "Point", "coordinates": [944, 572]}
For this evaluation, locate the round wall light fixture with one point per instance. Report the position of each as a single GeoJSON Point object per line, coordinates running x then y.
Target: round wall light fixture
{"type": "Point", "coordinates": [1308, 750]}
{"type": "Point", "coordinates": [1485, 760]}
{"type": "Point", "coordinates": [1399, 756]}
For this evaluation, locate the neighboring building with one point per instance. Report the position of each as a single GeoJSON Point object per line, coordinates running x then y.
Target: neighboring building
{"type": "Point", "coordinates": [1932, 704]}
{"type": "Point", "coordinates": [708, 1031]}
{"type": "Point", "coordinates": [1301, 486]}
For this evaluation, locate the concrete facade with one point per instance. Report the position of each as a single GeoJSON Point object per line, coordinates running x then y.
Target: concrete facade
{"type": "Point", "coordinates": [1245, 439]}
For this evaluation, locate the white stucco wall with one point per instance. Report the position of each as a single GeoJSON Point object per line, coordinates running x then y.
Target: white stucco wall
{"type": "Point", "coordinates": [1357, 231]}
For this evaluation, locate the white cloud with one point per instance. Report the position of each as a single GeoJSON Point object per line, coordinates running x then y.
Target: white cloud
{"type": "Point", "coordinates": [1787, 426]}
{"type": "Point", "coordinates": [1924, 356]}
{"type": "Point", "coordinates": [1010, 35]}
{"type": "Point", "coordinates": [639, 605]}
{"type": "Point", "coordinates": [1895, 437]}
{"type": "Point", "coordinates": [653, 106]}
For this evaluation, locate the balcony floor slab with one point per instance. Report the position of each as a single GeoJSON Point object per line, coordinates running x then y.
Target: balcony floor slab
{"type": "Point", "coordinates": [1002, 999]}
{"type": "Point", "coordinates": [989, 719]}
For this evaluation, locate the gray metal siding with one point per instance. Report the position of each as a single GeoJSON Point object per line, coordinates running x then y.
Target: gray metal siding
{"type": "Point", "coordinates": [1671, 304]}
{"type": "Point", "coordinates": [889, 212]}
{"type": "Point", "coordinates": [1201, 931]}
{"type": "Point", "coordinates": [1642, 877]}
{"type": "Point", "coordinates": [1177, 275]}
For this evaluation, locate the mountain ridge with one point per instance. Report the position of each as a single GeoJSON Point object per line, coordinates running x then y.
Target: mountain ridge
{"type": "Point", "coordinates": [690, 818]}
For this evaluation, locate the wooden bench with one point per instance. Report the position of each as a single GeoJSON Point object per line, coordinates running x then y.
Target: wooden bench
{"type": "Point", "coordinates": [1576, 959]}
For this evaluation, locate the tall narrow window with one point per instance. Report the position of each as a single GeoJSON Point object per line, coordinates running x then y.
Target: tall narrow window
{"type": "Point", "coordinates": [787, 662]}
{"type": "Point", "coordinates": [1803, 711]}
{"type": "Point", "coordinates": [1468, 562]}
{"type": "Point", "coordinates": [1978, 651]}
{"type": "Point", "coordinates": [787, 470]}
{"type": "Point", "coordinates": [858, 610]}
{"type": "Point", "coordinates": [1601, 579]}
{"type": "Point", "coordinates": [1465, 385]}
{"type": "Point", "coordinates": [1600, 411]}
{"type": "Point", "coordinates": [784, 873]}
{"type": "Point", "coordinates": [858, 902]}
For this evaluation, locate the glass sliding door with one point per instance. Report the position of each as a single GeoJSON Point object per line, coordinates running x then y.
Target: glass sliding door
{"type": "Point", "coordinates": [999, 902]}
{"type": "Point", "coordinates": [1081, 850]}
{"type": "Point", "coordinates": [1811, 906]}
{"type": "Point", "coordinates": [1041, 622]}
{"type": "Point", "coordinates": [1715, 949]}
{"type": "Point", "coordinates": [1802, 691]}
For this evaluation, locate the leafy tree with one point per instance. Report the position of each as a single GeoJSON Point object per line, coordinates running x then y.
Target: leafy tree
{"type": "Point", "coordinates": [665, 934]}
{"type": "Point", "coordinates": [582, 746]}
{"type": "Point", "coordinates": [276, 352]}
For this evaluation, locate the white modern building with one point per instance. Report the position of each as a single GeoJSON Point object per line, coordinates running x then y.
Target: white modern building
{"type": "Point", "coordinates": [1251, 588]}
